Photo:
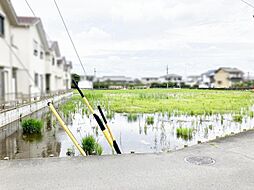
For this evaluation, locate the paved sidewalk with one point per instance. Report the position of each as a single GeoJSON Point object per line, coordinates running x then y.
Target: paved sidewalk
{"type": "Point", "coordinates": [234, 169]}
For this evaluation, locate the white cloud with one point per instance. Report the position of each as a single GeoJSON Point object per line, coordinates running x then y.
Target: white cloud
{"type": "Point", "coordinates": [140, 37]}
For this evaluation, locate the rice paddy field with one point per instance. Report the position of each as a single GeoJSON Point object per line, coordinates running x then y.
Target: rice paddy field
{"type": "Point", "coordinates": [178, 101]}
{"type": "Point", "coordinates": [142, 121]}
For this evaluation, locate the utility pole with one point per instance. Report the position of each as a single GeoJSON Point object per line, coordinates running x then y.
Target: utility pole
{"type": "Point", "coordinates": [167, 76]}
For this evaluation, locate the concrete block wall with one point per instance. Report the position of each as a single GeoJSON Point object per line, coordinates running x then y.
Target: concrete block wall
{"type": "Point", "coordinates": [15, 114]}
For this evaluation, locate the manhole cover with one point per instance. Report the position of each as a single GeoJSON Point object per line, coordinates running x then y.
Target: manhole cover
{"type": "Point", "coordinates": [200, 160]}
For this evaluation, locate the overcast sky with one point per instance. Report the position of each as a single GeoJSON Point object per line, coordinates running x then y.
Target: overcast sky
{"type": "Point", "coordinates": [141, 37]}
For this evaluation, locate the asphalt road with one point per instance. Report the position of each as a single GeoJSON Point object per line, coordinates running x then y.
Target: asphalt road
{"type": "Point", "coordinates": [234, 169]}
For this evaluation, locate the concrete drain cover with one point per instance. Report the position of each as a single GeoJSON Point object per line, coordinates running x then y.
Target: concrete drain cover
{"type": "Point", "coordinates": [200, 160]}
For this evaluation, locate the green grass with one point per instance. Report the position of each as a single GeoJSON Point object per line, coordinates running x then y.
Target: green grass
{"type": "Point", "coordinates": [150, 120]}
{"type": "Point", "coordinates": [132, 117]}
{"type": "Point", "coordinates": [32, 126]}
{"type": "Point", "coordinates": [178, 101]}
{"type": "Point", "coordinates": [90, 146]}
{"type": "Point", "coordinates": [238, 118]}
{"type": "Point", "coordinates": [184, 133]}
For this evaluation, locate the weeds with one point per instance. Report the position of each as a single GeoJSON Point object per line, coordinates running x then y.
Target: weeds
{"type": "Point", "coordinates": [238, 118]}
{"type": "Point", "coordinates": [132, 117]}
{"type": "Point", "coordinates": [32, 126]}
{"type": "Point", "coordinates": [150, 120]}
{"type": "Point", "coordinates": [184, 133]}
{"type": "Point", "coordinates": [90, 146]}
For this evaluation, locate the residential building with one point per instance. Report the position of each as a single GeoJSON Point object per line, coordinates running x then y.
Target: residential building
{"type": "Point", "coordinates": [173, 78]}
{"type": "Point", "coordinates": [116, 79]}
{"type": "Point", "coordinates": [150, 80]}
{"type": "Point", "coordinates": [29, 64]}
{"type": "Point", "coordinates": [30, 38]}
{"type": "Point", "coordinates": [193, 81]}
{"type": "Point", "coordinates": [86, 82]}
{"type": "Point", "coordinates": [207, 79]}
{"type": "Point", "coordinates": [227, 77]}
{"type": "Point", "coordinates": [8, 20]}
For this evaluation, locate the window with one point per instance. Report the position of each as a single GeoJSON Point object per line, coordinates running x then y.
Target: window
{"type": "Point", "coordinates": [41, 55]}
{"type": "Point", "coordinates": [1, 25]}
{"type": "Point", "coordinates": [35, 48]}
{"type": "Point", "coordinates": [36, 79]}
{"type": "Point", "coordinates": [53, 61]}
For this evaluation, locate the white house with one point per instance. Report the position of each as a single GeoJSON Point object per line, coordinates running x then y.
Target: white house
{"type": "Point", "coordinates": [8, 20]}
{"type": "Point", "coordinates": [149, 80]}
{"type": "Point", "coordinates": [31, 40]}
{"type": "Point", "coordinates": [29, 64]}
{"type": "Point", "coordinates": [174, 78]}
{"type": "Point", "coordinates": [193, 81]}
{"type": "Point", "coordinates": [207, 79]}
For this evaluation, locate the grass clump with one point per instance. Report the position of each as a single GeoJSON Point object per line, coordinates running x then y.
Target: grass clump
{"type": "Point", "coordinates": [90, 146]}
{"type": "Point", "coordinates": [32, 126]}
{"type": "Point", "coordinates": [132, 117]}
{"type": "Point", "coordinates": [150, 120]}
{"type": "Point", "coordinates": [238, 118]}
{"type": "Point", "coordinates": [184, 133]}
{"type": "Point", "coordinates": [251, 114]}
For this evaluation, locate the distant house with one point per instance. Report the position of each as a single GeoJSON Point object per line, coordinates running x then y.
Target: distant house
{"type": "Point", "coordinates": [193, 81]}
{"type": "Point", "coordinates": [226, 77]}
{"type": "Point", "coordinates": [207, 79]}
{"type": "Point", "coordinates": [86, 82]}
{"type": "Point", "coordinates": [149, 80]}
{"type": "Point", "coordinates": [171, 78]}
{"type": "Point", "coordinates": [116, 82]}
{"type": "Point", "coordinates": [116, 79]}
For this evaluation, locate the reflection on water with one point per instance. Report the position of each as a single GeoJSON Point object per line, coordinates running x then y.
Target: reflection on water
{"type": "Point", "coordinates": [133, 133]}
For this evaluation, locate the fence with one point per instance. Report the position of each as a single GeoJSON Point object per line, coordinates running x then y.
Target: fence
{"type": "Point", "coordinates": [14, 100]}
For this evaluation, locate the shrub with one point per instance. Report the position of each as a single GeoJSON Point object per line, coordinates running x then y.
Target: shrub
{"type": "Point", "coordinates": [184, 133]}
{"type": "Point", "coordinates": [150, 120]}
{"type": "Point", "coordinates": [98, 149]}
{"type": "Point", "coordinates": [90, 146]}
{"type": "Point", "coordinates": [132, 117]}
{"type": "Point", "coordinates": [238, 118]}
{"type": "Point", "coordinates": [251, 114]}
{"type": "Point", "coordinates": [32, 126]}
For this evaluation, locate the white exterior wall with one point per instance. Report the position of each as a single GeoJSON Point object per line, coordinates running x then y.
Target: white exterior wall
{"type": "Point", "coordinates": [24, 38]}
{"type": "Point", "coordinates": [5, 58]}
{"type": "Point", "coordinates": [21, 58]}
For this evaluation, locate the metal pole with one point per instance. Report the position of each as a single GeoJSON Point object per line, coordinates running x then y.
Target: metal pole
{"type": "Point", "coordinates": [115, 145]}
{"type": "Point", "coordinates": [69, 133]}
{"type": "Point", "coordinates": [97, 118]}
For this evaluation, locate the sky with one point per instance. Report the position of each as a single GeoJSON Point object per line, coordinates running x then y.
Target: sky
{"type": "Point", "coordinates": [139, 38]}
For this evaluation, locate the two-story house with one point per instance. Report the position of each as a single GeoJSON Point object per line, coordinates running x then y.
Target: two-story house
{"type": "Point", "coordinates": [29, 63]}
{"type": "Point", "coordinates": [226, 77]}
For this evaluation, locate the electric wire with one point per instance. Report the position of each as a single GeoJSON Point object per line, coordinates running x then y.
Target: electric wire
{"type": "Point", "coordinates": [250, 5]}
{"type": "Point", "coordinates": [30, 8]}
{"type": "Point", "coordinates": [72, 42]}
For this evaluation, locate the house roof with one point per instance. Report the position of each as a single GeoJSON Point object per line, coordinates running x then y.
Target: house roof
{"type": "Point", "coordinates": [156, 78]}
{"type": "Point", "coordinates": [193, 76]}
{"type": "Point", "coordinates": [54, 46]}
{"type": "Point", "coordinates": [115, 78]}
{"type": "Point", "coordinates": [23, 20]}
{"type": "Point", "coordinates": [230, 70]}
{"type": "Point", "coordinates": [171, 76]}
{"type": "Point", "coordinates": [209, 73]}
{"type": "Point", "coordinates": [9, 11]}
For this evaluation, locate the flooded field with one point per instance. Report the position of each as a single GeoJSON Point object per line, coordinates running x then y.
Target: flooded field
{"type": "Point", "coordinates": [139, 133]}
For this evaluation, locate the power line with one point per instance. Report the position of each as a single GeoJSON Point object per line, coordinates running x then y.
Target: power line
{"type": "Point", "coordinates": [248, 3]}
{"type": "Point", "coordinates": [30, 8]}
{"type": "Point", "coordinates": [19, 60]}
{"type": "Point", "coordinates": [66, 28]}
